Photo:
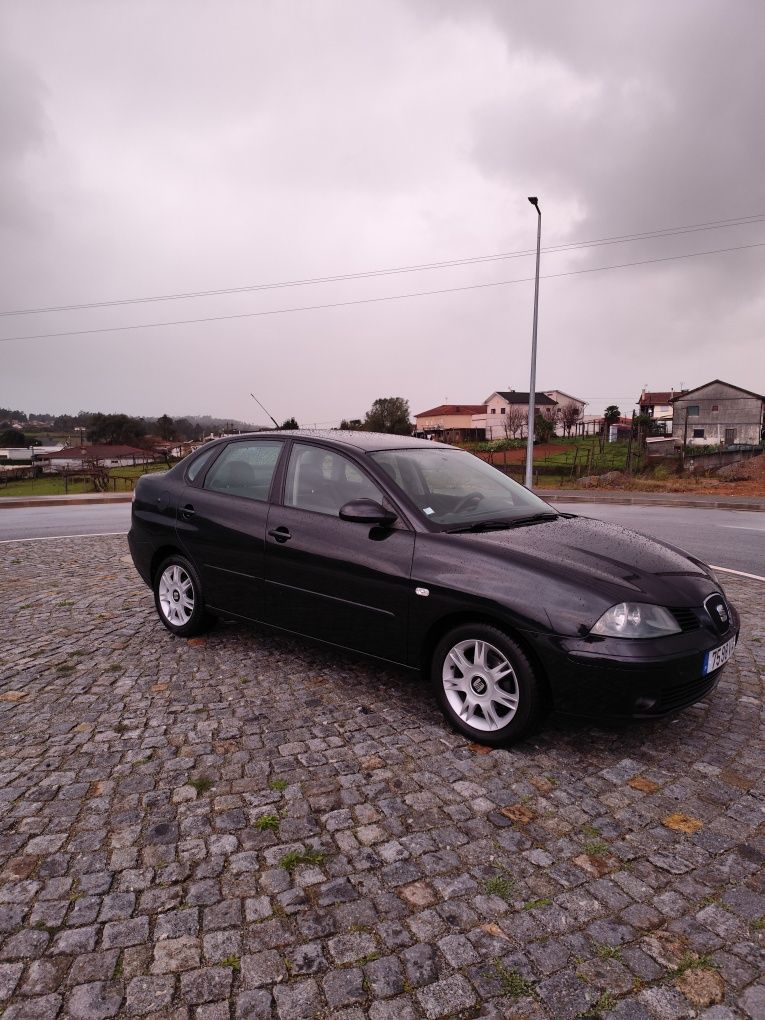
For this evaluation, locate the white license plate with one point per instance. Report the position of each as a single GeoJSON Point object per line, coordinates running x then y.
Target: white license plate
{"type": "Point", "coordinates": [718, 656]}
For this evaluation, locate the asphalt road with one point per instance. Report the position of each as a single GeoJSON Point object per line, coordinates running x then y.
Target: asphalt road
{"type": "Point", "coordinates": [63, 521]}
{"type": "Point", "coordinates": [726, 538]}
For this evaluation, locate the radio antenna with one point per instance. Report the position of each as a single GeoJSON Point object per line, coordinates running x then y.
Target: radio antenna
{"type": "Point", "coordinates": [276, 424]}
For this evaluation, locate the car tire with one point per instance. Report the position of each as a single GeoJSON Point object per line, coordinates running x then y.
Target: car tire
{"type": "Point", "coordinates": [178, 597]}
{"type": "Point", "coordinates": [485, 684]}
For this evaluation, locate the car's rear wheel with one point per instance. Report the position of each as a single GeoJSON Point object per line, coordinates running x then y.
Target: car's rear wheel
{"type": "Point", "coordinates": [485, 684]}
{"type": "Point", "coordinates": [178, 597]}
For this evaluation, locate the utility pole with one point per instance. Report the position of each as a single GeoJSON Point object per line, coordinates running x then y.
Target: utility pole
{"type": "Point", "coordinates": [533, 384]}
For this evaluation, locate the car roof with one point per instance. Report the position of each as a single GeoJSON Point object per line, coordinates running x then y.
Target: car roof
{"type": "Point", "coordinates": [367, 442]}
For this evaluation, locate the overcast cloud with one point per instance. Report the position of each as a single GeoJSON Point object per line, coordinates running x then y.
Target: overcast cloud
{"type": "Point", "coordinates": [152, 148]}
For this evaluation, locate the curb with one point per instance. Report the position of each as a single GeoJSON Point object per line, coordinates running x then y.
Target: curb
{"type": "Point", "coordinates": [83, 499]}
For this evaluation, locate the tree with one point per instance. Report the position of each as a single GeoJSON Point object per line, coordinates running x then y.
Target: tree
{"type": "Point", "coordinates": [611, 414]}
{"type": "Point", "coordinates": [115, 428]}
{"type": "Point", "coordinates": [389, 414]}
{"type": "Point", "coordinates": [166, 427]}
{"type": "Point", "coordinates": [351, 425]}
{"type": "Point", "coordinates": [13, 438]}
{"type": "Point", "coordinates": [290, 423]}
{"type": "Point", "coordinates": [544, 427]}
{"type": "Point", "coordinates": [515, 418]}
{"type": "Point", "coordinates": [569, 416]}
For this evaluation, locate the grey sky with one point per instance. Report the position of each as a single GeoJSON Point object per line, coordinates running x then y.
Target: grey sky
{"type": "Point", "coordinates": [152, 148]}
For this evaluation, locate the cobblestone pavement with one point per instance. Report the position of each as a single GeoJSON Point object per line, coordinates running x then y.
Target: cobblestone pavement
{"type": "Point", "coordinates": [250, 826]}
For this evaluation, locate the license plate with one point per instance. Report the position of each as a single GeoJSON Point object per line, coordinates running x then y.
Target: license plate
{"type": "Point", "coordinates": [718, 656]}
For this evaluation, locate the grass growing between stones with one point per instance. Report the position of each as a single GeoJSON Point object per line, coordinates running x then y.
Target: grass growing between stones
{"type": "Point", "coordinates": [596, 848]}
{"type": "Point", "coordinates": [202, 785]}
{"type": "Point", "coordinates": [533, 904]}
{"type": "Point", "coordinates": [233, 962]}
{"type": "Point", "coordinates": [513, 983]}
{"type": "Point", "coordinates": [500, 886]}
{"type": "Point", "coordinates": [278, 784]}
{"type": "Point", "coordinates": [689, 961]}
{"type": "Point", "coordinates": [602, 1005]}
{"type": "Point", "coordinates": [267, 823]}
{"type": "Point", "coordinates": [608, 952]}
{"type": "Point", "coordinates": [291, 860]}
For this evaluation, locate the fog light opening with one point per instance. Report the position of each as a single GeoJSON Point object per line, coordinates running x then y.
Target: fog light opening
{"type": "Point", "coordinates": [645, 704]}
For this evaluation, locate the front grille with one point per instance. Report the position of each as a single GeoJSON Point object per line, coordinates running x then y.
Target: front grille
{"type": "Point", "coordinates": [687, 694]}
{"type": "Point", "coordinates": [687, 619]}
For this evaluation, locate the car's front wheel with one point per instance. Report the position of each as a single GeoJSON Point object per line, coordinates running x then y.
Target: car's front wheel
{"type": "Point", "coordinates": [178, 597]}
{"type": "Point", "coordinates": [485, 684]}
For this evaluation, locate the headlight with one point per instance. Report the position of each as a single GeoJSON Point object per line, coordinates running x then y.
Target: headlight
{"type": "Point", "coordinates": [635, 620]}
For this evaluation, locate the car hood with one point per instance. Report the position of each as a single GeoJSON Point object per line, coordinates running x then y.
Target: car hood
{"type": "Point", "coordinates": [606, 557]}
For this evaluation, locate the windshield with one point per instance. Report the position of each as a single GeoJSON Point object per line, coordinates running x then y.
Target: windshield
{"type": "Point", "coordinates": [453, 488]}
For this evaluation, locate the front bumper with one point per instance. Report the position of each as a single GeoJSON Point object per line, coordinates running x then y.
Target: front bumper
{"type": "Point", "coordinates": [633, 679]}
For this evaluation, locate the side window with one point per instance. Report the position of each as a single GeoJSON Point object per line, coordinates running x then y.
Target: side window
{"type": "Point", "coordinates": [245, 469]}
{"type": "Point", "coordinates": [323, 480]}
{"type": "Point", "coordinates": [199, 463]}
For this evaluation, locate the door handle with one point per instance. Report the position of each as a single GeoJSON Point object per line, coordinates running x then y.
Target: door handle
{"type": "Point", "coordinates": [280, 534]}
{"type": "Point", "coordinates": [187, 511]}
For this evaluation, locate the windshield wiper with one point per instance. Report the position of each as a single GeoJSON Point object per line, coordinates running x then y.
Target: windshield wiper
{"type": "Point", "coordinates": [499, 525]}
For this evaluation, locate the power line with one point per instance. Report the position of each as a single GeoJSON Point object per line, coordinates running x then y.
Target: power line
{"type": "Point", "coordinates": [377, 300]}
{"type": "Point", "coordinates": [252, 288]}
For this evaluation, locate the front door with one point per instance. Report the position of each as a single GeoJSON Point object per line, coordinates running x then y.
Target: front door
{"type": "Point", "coordinates": [340, 581]}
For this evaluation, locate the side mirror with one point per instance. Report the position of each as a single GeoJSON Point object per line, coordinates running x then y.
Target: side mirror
{"type": "Point", "coordinates": [367, 511]}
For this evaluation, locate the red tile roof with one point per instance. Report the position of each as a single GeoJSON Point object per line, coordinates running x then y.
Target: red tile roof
{"type": "Point", "coordinates": [452, 409]}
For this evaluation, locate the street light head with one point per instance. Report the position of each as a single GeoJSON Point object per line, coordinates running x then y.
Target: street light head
{"type": "Point", "coordinates": [534, 200]}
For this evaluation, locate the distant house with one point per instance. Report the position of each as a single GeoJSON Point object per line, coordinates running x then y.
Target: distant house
{"type": "Point", "coordinates": [657, 404]}
{"type": "Point", "coordinates": [103, 454]}
{"type": "Point", "coordinates": [504, 415]}
{"type": "Point", "coordinates": [565, 400]}
{"type": "Point", "coordinates": [718, 414]}
{"type": "Point", "coordinates": [450, 422]}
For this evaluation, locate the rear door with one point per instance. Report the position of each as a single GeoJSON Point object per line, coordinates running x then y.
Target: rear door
{"type": "Point", "coordinates": [340, 581]}
{"type": "Point", "coordinates": [221, 523]}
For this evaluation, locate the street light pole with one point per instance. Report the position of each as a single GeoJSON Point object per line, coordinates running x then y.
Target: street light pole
{"type": "Point", "coordinates": [533, 384]}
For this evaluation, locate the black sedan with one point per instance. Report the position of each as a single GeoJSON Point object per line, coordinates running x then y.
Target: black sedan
{"type": "Point", "coordinates": [423, 555]}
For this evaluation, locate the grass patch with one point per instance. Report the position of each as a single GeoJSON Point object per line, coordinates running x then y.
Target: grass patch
{"type": "Point", "coordinates": [689, 961]}
{"type": "Point", "coordinates": [233, 962]}
{"type": "Point", "coordinates": [278, 784]}
{"type": "Point", "coordinates": [534, 904]}
{"type": "Point", "coordinates": [500, 886]}
{"type": "Point", "coordinates": [590, 830]}
{"type": "Point", "coordinates": [596, 848]}
{"type": "Point", "coordinates": [202, 785]}
{"type": "Point", "coordinates": [602, 1005]}
{"type": "Point", "coordinates": [291, 860]}
{"type": "Point", "coordinates": [608, 952]}
{"type": "Point", "coordinates": [267, 823]}
{"type": "Point", "coordinates": [51, 929]}
{"type": "Point", "coordinates": [513, 984]}
{"type": "Point", "coordinates": [758, 924]}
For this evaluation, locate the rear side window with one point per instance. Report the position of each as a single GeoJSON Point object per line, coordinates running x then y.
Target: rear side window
{"type": "Point", "coordinates": [199, 464]}
{"type": "Point", "coordinates": [245, 469]}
